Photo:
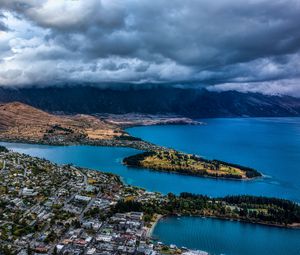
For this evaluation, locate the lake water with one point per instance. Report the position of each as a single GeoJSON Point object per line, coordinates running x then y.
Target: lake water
{"type": "Point", "coordinates": [227, 237]}
{"type": "Point", "coordinates": [271, 145]}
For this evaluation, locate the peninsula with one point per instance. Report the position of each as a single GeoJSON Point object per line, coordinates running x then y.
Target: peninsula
{"type": "Point", "coordinates": [23, 123]}
{"type": "Point", "coordinates": [176, 162]}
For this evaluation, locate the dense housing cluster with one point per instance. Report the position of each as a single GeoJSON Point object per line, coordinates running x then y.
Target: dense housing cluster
{"type": "Point", "coordinates": [61, 209]}
{"type": "Point", "coordinates": [51, 209]}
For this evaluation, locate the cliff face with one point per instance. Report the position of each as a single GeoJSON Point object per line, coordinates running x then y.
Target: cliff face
{"type": "Point", "coordinates": [187, 102]}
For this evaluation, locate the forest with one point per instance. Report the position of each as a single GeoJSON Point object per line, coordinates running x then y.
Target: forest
{"type": "Point", "coordinates": [272, 211]}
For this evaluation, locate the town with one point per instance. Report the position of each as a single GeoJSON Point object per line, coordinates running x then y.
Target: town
{"type": "Point", "coordinates": [51, 209]}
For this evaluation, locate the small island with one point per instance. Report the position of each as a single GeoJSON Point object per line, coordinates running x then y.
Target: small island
{"type": "Point", "coordinates": [176, 162]}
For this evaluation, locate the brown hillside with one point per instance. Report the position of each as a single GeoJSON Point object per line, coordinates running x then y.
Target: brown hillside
{"type": "Point", "coordinates": [23, 122]}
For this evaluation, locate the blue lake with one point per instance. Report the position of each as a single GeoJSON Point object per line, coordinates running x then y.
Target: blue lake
{"type": "Point", "coordinates": [271, 145]}
{"type": "Point", "coordinates": [227, 237]}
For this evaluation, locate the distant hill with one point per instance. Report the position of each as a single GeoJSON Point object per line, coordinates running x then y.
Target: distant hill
{"type": "Point", "coordinates": [194, 103]}
{"type": "Point", "coordinates": [21, 122]}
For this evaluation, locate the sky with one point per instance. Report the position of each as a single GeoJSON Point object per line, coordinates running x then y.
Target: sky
{"type": "Point", "coordinates": [250, 45]}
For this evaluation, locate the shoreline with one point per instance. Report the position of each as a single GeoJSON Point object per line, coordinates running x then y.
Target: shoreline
{"type": "Point", "coordinates": [144, 145]}
{"type": "Point", "coordinates": [138, 145]}
{"type": "Point", "coordinates": [132, 142]}
{"type": "Point", "coordinates": [130, 120]}
{"type": "Point", "coordinates": [200, 176]}
{"type": "Point", "coordinates": [294, 226]}
{"type": "Point", "coordinates": [158, 217]}
{"type": "Point", "coordinates": [150, 230]}
{"type": "Point", "coordinates": [181, 163]}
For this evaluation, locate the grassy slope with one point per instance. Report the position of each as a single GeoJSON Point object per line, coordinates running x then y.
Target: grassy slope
{"type": "Point", "coordinates": [173, 161]}
{"type": "Point", "coordinates": [23, 122]}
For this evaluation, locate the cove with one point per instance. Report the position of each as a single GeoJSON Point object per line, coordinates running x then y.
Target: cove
{"type": "Point", "coordinates": [227, 237]}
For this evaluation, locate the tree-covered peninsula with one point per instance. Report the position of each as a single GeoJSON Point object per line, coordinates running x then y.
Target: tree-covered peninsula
{"type": "Point", "coordinates": [176, 162]}
{"type": "Point", "coordinates": [254, 209]}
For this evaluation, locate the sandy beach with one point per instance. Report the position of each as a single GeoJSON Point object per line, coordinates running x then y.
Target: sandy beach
{"type": "Point", "coordinates": [153, 224]}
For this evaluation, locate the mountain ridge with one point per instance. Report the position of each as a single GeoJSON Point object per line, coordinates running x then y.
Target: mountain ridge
{"type": "Point", "coordinates": [194, 103]}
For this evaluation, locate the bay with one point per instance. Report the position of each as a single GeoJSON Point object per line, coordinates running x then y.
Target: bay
{"type": "Point", "coordinates": [227, 237]}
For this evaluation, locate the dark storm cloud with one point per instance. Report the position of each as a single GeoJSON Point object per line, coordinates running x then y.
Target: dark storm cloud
{"type": "Point", "coordinates": [3, 27]}
{"type": "Point", "coordinates": [205, 42]}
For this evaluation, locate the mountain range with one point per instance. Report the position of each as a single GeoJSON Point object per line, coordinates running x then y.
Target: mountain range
{"type": "Point", "coordinates": [194, 103]}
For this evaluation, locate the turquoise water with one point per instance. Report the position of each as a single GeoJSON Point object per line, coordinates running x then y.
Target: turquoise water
{"type": "Point", "coordinates": [269, 145]}
{"type": "Point", "coordinates": [227, 237]}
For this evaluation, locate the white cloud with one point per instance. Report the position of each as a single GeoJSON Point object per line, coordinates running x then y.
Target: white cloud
{"type": "Point", "coordinates": [278, 87]}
